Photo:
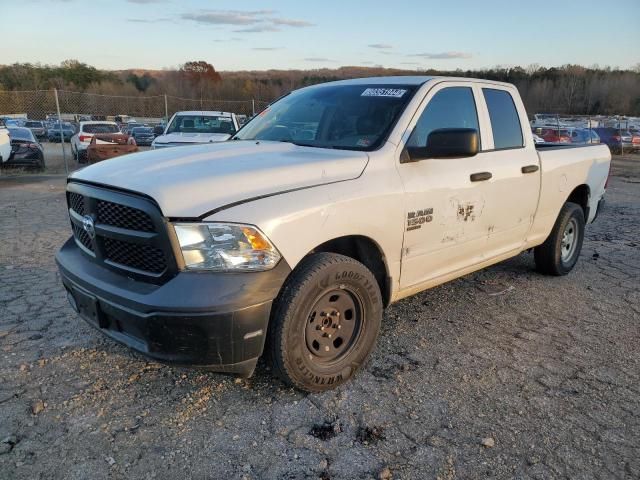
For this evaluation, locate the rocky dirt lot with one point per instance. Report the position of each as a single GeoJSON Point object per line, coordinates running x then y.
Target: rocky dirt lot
{"type": "Point", "coordinates": [501, 374]}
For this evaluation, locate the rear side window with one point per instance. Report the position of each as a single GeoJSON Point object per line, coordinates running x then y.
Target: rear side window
{"type": "Point", "coordinates": [100, 128]}
{"type": "Point", "coordinates": [505, 123]}
{"type": "Point", "coordinates": [452, 107]}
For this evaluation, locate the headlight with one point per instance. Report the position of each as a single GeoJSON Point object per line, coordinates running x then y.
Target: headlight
{"type": "Point", "coordinates": [225, 247]}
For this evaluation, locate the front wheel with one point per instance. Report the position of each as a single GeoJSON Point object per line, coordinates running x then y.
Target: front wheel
{"type": "Point", "coordinates": [325, 322]}
{"type": "Point", "coordinates": [560, 251]}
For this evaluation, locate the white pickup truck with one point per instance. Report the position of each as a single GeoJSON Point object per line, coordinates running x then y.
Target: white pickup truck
{"type": "Point", "coordinates": [194, 127]}
{"type": "Point", "coordinates": [334, 202]}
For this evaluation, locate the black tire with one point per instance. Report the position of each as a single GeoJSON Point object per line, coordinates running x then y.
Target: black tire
{"type": "Point", "coordinates": [549, 256]}
{"type": "Point", "coordinates": [301, 351]}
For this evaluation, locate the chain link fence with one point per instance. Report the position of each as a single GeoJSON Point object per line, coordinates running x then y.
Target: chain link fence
{"type": "Point", "coordinates": [622, 133]}
{"type": "Point", "coordinates": [72, 107]}
{"type": "Point", "coordinates": [43, 104]}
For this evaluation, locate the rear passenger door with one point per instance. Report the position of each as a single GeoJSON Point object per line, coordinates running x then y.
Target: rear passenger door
{"type": "Point", "coordinates": [513, 162]}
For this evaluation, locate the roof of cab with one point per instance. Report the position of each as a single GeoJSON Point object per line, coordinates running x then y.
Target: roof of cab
{"type": "Point", "coordinates": [205, 113]}
{"type": "Point", "coordinates": [394, 80]}
{"type": "Point", "coordinates": [407, 80]}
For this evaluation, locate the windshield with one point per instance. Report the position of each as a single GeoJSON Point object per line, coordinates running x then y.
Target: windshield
{"type": "Point", "coordinates": [33, 124]}
{"type": "Point", "coordinates": [350, 117]}
{"type": "Point", "coordinates": [100, 128]}
{"type": "Point", "coordinates": [141, 130]}
{"type": "Point", "coordinates": [201, 124]}
{"type": "Point", "coordinates": [23, 134]}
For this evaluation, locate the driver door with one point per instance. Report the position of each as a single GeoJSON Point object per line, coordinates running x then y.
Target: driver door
{"type": "Point", "coordinates": [446, 222]}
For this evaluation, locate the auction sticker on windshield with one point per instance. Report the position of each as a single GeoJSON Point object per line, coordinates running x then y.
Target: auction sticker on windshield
{"type": "Point", "coordinates": [384, 92]}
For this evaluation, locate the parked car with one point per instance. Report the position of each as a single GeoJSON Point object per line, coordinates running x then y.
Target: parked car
{"type": "Point", "coordinates": [86, 131]}
{"type": "Point", "coordinates": [553, 134]}
{"type": "Point", "coordinates": [105, 146]}
{"type": "Point", "coordinates": [537, 139]}
{"type": "Point", "coordinates": [158, 130]}
{"type": "Point", "coordinates": [26, 151]}
{"type": "Point", "coordinates": [142, 135]}
{"type": "Point", "coordinates": [128, 127]}
{"type": "Point", "coordinates": [583, 135]}
{"type": "Point", "coordinates": [617, 140]}
{"type": "Point", "coordinates": [5, 143]}
{"type": "Point", "coordinates": [188, 128]}
{"type": "Point", "coordinates": [13, 122]}
{"type": "Point", "coordinates": [37, 127]}
{"type": "Point", "coordinates": [53, 133]}
{"type": "Point", "coordinates": [306, 234]}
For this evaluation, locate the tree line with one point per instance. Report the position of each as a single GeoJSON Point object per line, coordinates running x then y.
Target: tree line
{"type": "Point", "coordinates": [569, 89]}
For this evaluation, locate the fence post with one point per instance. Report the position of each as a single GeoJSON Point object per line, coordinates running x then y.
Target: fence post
{"type": "Point", "coordinates": [64, 155]}
{"type": "Point", "coordinates": [253, 107]}
{"type": "Point", "coordinates": [166, 110]}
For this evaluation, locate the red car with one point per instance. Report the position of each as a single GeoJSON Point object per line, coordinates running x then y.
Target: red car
{"type": "Point", "coordinates": [555, 135]}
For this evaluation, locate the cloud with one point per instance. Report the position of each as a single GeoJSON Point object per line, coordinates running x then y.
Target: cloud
{"type": "Point", "coordinates": [409, 63]}
{"type": "Point", "coordinates": [380, 46]}
{"type": "Point", "coordinates": [258, 29]}
{"type": "Point", "coordinates": [144, 2]}
{"type": "Point", "coordinates": [228, 17]}
{"type": "Point", "coordinates": [231, 39]}
{"type": "Point", "coordinates": [148, 20]}
{"type": "Point", "coordinates": [442, 55]}
{"type": "Point", "coordinates": [266, 49]}
{"type": "Point", "coordinates": [318, 59]}
{"type": "Point", "coordinates": [253, 21]}
{"type": "Point", "coordinates": [291, 23]}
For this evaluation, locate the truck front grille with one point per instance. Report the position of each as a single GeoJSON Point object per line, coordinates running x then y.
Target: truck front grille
{"type": "Point", "coordinates": [122, 216]}
{"type": "Point", "coordinates": [121, 231]}
{"type": "Point", "coordinates": [82, 237]}
{"type": "Point", "coordinates": [140, 257]}
{"type": "Point", "coordinates": [76, 202]}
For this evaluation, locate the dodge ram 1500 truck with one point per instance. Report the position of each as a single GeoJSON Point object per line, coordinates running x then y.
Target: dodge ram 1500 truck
{"type": "Point", "coordinates": [335, 201]}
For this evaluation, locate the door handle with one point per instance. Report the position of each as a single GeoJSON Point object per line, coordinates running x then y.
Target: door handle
{"type": "Point", "coordinates": [480, 176]}
{"type": "Point", "coordinates": [529, 169]}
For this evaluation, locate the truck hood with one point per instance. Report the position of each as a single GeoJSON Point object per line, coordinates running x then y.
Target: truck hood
{"type": "Point", "coordinates": [190, 181]}
{"type": "Point", "coordinates": [184, 137]}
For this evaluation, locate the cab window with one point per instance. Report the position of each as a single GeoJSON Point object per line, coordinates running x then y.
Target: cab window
{"type": "Point", "coordinates": [505, 122]}
{"type": "Point", "coordinates": [452, 107]}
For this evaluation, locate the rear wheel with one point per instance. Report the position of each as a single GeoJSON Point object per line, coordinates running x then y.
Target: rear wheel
{"type": "Point", "coordinates": [559, 253]}
{"type": "Point", "coordinates": [325, 322]}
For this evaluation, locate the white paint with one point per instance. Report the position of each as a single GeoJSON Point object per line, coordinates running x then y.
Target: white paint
{"type": "Point", "coordinates": [370, 194]}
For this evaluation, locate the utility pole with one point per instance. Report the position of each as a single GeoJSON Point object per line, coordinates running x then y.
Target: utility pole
{"type": "Point", "coordinates": [64, 155]}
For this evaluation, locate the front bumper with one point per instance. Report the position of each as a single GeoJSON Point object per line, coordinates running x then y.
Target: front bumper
{"type": "Point", "coordinates": [213, 320]}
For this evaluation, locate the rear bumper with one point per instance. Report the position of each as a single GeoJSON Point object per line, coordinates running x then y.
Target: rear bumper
{"type": "Point", "coordinates": [213, 320]}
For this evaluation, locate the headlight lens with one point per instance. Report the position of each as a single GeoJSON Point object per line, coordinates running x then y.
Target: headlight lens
{"type": "Point", "coordinates": [225, 247]}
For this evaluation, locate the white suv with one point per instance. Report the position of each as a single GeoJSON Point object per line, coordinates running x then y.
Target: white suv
{"type": "Point", "coordinates": [81, 140]}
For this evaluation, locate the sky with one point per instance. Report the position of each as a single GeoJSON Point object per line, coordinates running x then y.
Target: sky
{"type": "Point", "coordinates": [303, 34]}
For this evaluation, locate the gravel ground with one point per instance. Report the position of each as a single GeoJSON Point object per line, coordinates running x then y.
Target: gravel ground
{"type": "Point", "coordinates": [501, 374]}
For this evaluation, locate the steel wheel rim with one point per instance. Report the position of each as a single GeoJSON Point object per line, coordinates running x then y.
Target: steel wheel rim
{"type": "Point", "coordinates": [333, 326]}
{"type": "Point", "coordinates": [569, 240]}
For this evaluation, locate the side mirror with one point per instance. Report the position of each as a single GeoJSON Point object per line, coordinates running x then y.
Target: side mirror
{"type": "Point", "coordinates": [446, 143]}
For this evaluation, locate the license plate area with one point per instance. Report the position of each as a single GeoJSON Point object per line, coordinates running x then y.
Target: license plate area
{"type": "Point", "coordinates": [89, 308]}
